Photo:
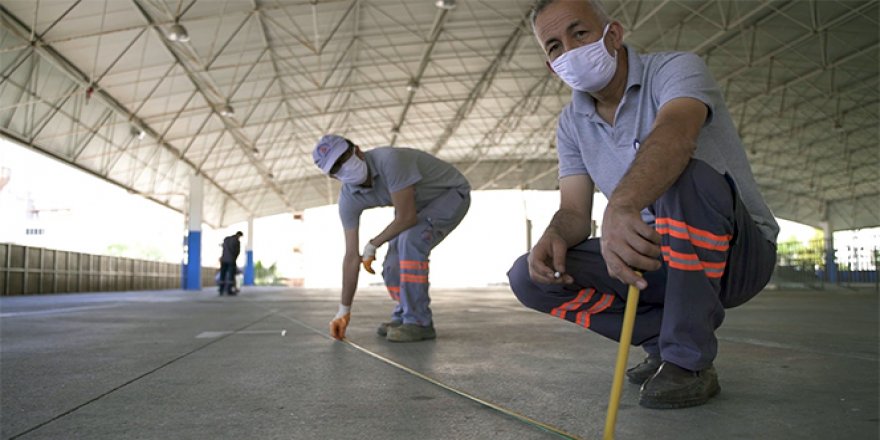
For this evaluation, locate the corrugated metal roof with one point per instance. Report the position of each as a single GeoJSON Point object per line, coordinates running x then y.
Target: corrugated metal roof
{"type": "Point", "coordinates": [99, 85]}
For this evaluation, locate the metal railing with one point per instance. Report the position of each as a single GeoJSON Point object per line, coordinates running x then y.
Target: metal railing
{"type": "Point", "coordinates": [804, 264]}
{"type": "Point", "coordinates": [26, 270]}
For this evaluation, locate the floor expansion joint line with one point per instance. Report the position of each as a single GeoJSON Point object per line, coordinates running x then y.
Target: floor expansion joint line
{"type": "Point", "coordinates": [129, 382]}
{"type": "Point", "coordinates": [507, 412]}
{"type": "Point", "coordinates": [510, 413]}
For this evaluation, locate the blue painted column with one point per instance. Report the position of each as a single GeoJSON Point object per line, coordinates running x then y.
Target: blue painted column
{"type": "Point", "coordinates": [249, 255]}
{"type": "Point", "coordinates": [193, 274]}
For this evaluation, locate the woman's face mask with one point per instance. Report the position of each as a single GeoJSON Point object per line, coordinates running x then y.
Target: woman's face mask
{"type": "Point", "coordinates": [353, 171]}
{"type": "Point", "coordinates": [588, 68]}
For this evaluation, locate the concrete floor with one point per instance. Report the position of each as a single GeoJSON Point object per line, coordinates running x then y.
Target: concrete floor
{"type": "Point", "coordinates": [191, 365]}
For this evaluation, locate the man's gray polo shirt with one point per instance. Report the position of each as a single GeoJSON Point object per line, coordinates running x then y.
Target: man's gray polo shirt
{"type": "Point", "coordinates": [589, 145]}
{"type": "Point", "coordinates": [392, 170]}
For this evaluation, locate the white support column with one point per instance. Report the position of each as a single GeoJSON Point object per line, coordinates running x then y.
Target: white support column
{"type": "Point", "coordinates": [249, 255]}
{"type": "Point", "coordinates": [193, 273]}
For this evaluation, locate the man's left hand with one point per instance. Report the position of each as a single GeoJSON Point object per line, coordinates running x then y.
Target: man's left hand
{"type": "Point", "coordinates": [368, 257]}
{"type": "Point", "coordinates": [369, 251]}
{"type": "Point", "coordinates": [628, 243]}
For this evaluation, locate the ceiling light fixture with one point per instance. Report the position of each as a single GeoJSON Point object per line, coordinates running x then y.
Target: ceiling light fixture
{"type": "Point", "coordinates": [227, 110]}
{"type": "Point", "coordinates": [138, 133]}
{"type": "Point", "coordinates": [178, 33]}
{"type": "Point", "coordinates": [445, 4]}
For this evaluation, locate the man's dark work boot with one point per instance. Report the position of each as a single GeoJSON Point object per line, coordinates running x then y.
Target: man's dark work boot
{"type": "Point", "coordinates": [383, 327]}
{"type": "Point", "coordinates": [674, 387]}
{"type": "Point", "coordinates": [643, 371]}
{"type": "Point", "coordinates": [410, 333]}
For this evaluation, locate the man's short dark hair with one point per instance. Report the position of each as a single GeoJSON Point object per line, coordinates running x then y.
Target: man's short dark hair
{"type": "Point", "coordinates": [239, 233]}
{"type": "Point", "coordinates": [597, 5]}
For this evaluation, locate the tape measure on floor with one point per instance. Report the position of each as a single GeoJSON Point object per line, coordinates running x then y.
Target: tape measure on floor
{"type": "Point", "coordinates": [525, 419]}
{"type": "Point", "coordinates": [513, 414]}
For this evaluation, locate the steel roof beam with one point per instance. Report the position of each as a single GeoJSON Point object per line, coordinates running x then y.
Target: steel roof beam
{"type": "Point", "coordinates": [213, 96]}
{"type": "Point", "coordinates": [767, 57]}
{"type": "Point", "coordinates": [743, 103]}
{"type": "Point", "coordinates": [91, 172]}
{"type": "Point", "coordinates": [736, 28]}
{"type": "Point", "coordinates": [232, 36]}
{"type": "Point", "coordinates": [482, 85]}
{"type": "Point", "coordinates": [527, 139]}
{"type": "Point", "coordinates": [23, 88]}
{"type": "Point", "coordinates": [519, 106]}
{"type": "Point", "coordinates": [65, 66]}
{"type": "Point", "coordinates": [436, 30]}
{"type": "Point", "coordinates": [291, 112]}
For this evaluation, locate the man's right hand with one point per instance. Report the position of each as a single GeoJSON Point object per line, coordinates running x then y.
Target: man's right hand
{"type": "Point", "coordinates": [628, 245]}
{"type": "Point", "coordinates": [547, 259]}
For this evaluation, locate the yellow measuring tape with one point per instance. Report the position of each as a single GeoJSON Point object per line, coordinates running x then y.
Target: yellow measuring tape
{"type": "Point", "coordinates": [527, 420]}
{"type": "Point", "coordinates": [629, 319]}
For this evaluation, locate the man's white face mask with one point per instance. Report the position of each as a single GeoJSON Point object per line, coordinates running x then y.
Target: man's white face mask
{"type": "Point", "coordinates": [353, 171]}
{"type": "Point", "coordinates": [588, 68]}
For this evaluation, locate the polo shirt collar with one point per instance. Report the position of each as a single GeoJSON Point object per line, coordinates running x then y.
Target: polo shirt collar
{"type": "Point", "coordinates": [584, 104]}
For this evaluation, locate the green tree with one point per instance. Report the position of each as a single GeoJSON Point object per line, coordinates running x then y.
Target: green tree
{"type": "Point", "coordinates": [138, 252]}
{"type": "Point", "coordinates": [806, 255]}
{"type": "Point", "coordinates": [267, 276]}
{"type": "Point", "coordinates": [117, 250]}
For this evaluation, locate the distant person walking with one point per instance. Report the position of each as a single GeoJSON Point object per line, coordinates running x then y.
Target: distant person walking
{"type": "Point", "coordinates": [228, 267]}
